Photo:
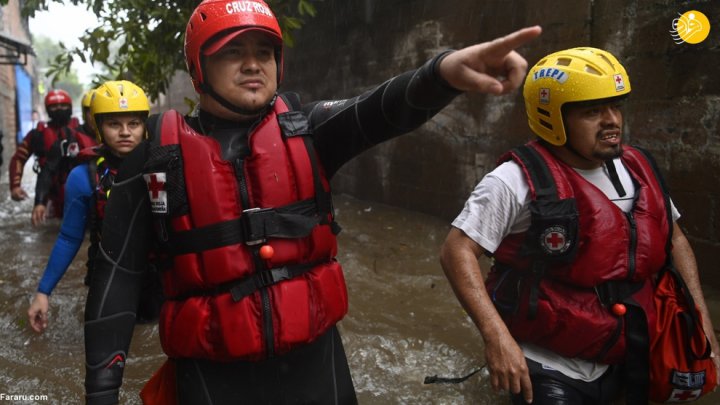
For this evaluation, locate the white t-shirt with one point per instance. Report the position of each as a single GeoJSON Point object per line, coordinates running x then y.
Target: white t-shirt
{"type": "Point", "coordinates": [499, 206]}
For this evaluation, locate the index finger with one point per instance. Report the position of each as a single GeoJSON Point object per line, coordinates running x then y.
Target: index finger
{"type": "Point", "coordinates": [512, 41]}
{"type": "Point", "coordinates": [526, 387]}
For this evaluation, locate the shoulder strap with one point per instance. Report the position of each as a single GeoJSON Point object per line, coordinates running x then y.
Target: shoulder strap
{"type": "Point", "coordinates": [541, 181]}
{"type": "Point", "coordinates": [92, 215]}
{"type": "Point", "coordinates": [295, 123]}
{"type": "Point", "coordinates": [292, 100]}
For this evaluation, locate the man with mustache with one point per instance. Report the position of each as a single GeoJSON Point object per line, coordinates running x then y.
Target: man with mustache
{"type": "Point", "coordinates": [237, 195]}
{"type": "Point", "coordinates": [577, 225]}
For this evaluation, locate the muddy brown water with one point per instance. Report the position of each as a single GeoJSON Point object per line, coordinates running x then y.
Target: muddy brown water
{"type": "Point", "coordinates": [404, 322]}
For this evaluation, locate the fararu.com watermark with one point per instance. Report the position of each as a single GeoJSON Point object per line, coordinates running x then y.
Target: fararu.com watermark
{"type": "Point", "coordinates": [22, 397]}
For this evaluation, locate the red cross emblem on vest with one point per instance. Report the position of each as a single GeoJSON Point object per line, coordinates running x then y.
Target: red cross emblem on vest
{"type": "Point", "coordinates": [156, 189]}
{"type": "Point", "coordinates": [554, 240]}
{"type": "Point", "coordinates": [681, 395]}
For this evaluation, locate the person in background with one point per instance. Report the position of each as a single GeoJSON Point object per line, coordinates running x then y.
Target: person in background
{"type": "Point", "coordinates": [577, 224]}
{"type": "Point", "coordinates": [87, 127]}
{"type": "Point", "coordinates": [55, 146]}
{"type": "Point", "coordinates": [119, 110]}
{"type": "Point", "coordinates": [237, 196]}
{"type": "Point", "coordinates": [35, 118]}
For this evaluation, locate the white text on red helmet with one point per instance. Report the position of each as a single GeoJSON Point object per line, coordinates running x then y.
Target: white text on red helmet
{"type": "Point", "coordinates": [247, 7]}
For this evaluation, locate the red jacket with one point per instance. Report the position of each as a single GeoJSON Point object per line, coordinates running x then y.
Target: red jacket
{"type": "Point", "coordinates": [224, 301]}
{"type": "Point", "coordinates": [573, 256]}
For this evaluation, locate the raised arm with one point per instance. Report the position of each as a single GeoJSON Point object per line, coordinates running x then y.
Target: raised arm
{"type": "Point", "coordinates": [491, 67]}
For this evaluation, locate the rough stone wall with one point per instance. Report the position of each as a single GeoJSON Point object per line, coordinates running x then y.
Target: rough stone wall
{"type": "Point", "coordinates": [673, 111]}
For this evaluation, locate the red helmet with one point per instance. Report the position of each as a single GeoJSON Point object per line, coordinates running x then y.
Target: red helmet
{"type": "Point", "coordinates": [232, 18]}
{"type": "Point", "coordinates": [57, 97]}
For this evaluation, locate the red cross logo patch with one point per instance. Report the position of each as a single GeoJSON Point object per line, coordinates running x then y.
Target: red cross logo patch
{"type": "Point", "coordinates": [684, 395]}
{"type": "Point", "coordinates": [544, 96]}
{"type": "Point", "coordinates": [554, 240]}
{"type": "Point", "coordinates": [619, 82]}
{"type": "Point", "coordinates": [156, 189]}
{"type": "Point", "coordinates": [73, 149]}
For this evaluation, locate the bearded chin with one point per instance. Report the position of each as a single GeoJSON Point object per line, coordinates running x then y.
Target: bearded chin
{"type": "Point", "coordinates": [614, 153]}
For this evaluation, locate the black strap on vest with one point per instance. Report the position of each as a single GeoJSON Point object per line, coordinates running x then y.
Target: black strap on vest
{"type": "Point", "coordinates": [614, 178]}
{"type": "Point", "coordinates": [246, 286]}
{"type": "Point", "coordinates": [540, 176]}
{"type": "Point", "coordinates": [254, 226]}
{"type": "Point", "coordinates": [545, 190]}
{"type": "Point", "coordinates": [92, 214]}
{"type": "Point", "coordinates": [294, 123]}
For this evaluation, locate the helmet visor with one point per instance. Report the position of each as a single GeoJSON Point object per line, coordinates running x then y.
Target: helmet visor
{"type": "Point", "coordinates": [224, 38]}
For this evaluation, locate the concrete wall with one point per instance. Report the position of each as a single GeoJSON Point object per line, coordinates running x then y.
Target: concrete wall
{"type": "Point", "coordinates": [673, 111]}
{"type": "Point", "coordinates": [180, 95]}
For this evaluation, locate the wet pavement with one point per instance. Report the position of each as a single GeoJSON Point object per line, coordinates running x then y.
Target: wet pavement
{"type": "Point", "coordinates": [404, 322]}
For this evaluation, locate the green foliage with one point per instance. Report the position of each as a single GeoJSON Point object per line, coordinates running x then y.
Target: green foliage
{"type": "Point", "coordinates": [143, 43]}
{"type": "Point", "coordinates": [48, 52]}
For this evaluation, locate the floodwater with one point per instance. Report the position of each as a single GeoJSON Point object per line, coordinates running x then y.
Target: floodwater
{"type": "Point", "coordinates": [404, 322]}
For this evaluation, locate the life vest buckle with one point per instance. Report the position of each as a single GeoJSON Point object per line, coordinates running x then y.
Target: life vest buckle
{"type": "Point", "coordinates": [254, 224]}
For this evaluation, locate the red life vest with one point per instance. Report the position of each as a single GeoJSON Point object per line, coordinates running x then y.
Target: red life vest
{"type": "Point", "coordinates": [58, 148]}
{"type": "Point", "coordinates": [581, 255]}
{"type": "Point", "coordinates": [224, 301]}
{"type": "Point", "coordinates": [68, 138]}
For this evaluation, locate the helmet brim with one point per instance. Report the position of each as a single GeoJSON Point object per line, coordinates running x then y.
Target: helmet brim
{"type": "Point", "coordinates": [223, 40]}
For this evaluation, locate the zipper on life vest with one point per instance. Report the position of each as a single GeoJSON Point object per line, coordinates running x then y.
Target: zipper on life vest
{"type": "Point", "coordinates": [268, 332]}
{"type": "Point", "coordinates": [633, 245]}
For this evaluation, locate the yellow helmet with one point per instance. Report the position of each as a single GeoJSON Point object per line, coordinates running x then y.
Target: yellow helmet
{"type": "Point", "coordinates": [87, 97]}
{"type": "Point", "coordinates": [117, 96]}
{"type": "Point", "coordinates": [572, 75]}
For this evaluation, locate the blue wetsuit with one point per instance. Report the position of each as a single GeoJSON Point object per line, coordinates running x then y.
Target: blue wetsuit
{"type": "Point", "coordinates": [78, 197]}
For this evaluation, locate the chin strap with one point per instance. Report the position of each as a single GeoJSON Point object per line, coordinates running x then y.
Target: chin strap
{"type": "Point", "coordinates": [232, 107]}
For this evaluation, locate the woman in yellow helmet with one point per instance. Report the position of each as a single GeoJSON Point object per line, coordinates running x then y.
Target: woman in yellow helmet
{"type": "Point", "coordinates": [118, 110]}
{"type": "Point", "coordinates": [87, 127]}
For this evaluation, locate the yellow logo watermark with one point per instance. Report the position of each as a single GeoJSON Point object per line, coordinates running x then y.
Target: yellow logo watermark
{"type": "Point", "coordinates": [692, 27]}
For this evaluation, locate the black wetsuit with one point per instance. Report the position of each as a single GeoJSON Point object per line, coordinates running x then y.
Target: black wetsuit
{"type": "Point", "coordinates": [316, 373]}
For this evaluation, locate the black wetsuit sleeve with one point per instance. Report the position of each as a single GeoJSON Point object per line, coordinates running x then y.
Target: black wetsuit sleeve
{"type": "Point", "coordinates": [48, 171]}
{"type": "Point", "coordinates": [344, 128]}
{"type": "Point", "coordinates": [44, 181]}
{"type": "Point", "coordinates": [116, 280]}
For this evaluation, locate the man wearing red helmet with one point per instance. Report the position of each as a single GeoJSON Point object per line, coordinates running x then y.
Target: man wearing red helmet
{"type": "Point", "coordinates": [237, 196]}
{"type": "Point", "coordinates": [55, 146]}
